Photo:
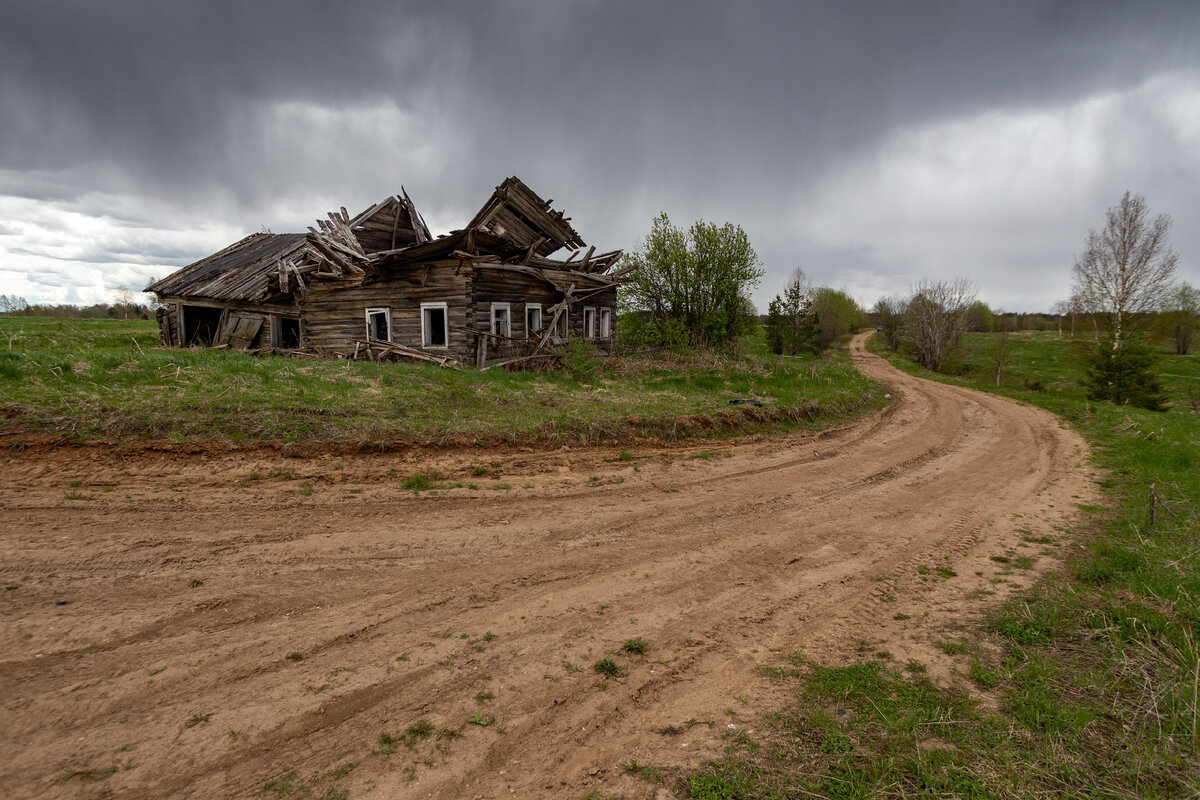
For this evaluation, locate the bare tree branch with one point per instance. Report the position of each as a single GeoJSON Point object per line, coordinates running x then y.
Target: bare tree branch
{"type": "Point", "coordinates": [936, 319]}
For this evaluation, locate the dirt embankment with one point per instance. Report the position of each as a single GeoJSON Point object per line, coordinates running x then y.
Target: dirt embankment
{"type": "Point", "coordinates": [221, 624]}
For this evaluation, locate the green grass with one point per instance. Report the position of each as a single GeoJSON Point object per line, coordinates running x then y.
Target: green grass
{"type": "Point", "coordinates": [87, 379]}
{"type": "Point", "coordinates": [1095, 672]}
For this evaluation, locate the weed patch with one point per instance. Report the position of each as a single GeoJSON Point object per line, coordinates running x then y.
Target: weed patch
{"type": "Point", "coordinates": [636, 645]}
{"type": "Point", "coordinates": [606, 667]}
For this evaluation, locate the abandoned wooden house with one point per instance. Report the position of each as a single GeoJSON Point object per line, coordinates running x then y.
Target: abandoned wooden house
{"type": "Point", "coordinates": [378, 285]}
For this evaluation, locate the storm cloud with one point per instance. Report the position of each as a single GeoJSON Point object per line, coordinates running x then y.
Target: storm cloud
{"type": "Point", "coordinates": [871, 144]}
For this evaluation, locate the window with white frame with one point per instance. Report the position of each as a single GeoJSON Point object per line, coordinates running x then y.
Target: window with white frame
{"type": "Point", "coordinates": [561, 327]}
{"type": "Point", "coordinates": [589, 323]}
{"type": "Point", "coordinates": [605, 323]}
{"type": "Point", "coordinates": [533, 319]}
{"type": "Point", "coordinates": [435, 325]}
{"type": "Point", "coordinates": [501, 321]}
{"type": "Point", "coordinates": [379, 324]}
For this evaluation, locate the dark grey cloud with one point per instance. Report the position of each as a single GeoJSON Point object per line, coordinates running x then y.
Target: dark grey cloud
{"type": "Point", "coordinates": [162, 116]}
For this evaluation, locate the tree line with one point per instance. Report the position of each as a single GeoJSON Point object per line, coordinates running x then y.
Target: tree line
{"type": "Point", "coordinates": [691, 287]}
{"type": "Point", "coordinates": [14, 306]}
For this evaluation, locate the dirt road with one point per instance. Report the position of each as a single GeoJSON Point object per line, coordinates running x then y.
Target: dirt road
{"type": "Point", "coordinates": [234, 624]}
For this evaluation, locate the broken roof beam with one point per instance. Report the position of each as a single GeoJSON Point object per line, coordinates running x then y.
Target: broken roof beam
{"type": "Point", "coordinates": [598, 265]}
{"type": "Point", "coordinates": [463, 255]}
{"type": "Point", "coordinates": [338, 229]}
{"type": "Point", "coordinates": [299, 280]}
{"type": "Point", "coordinates": [603, 262]}
{"type": "Point", "coordinates": [422, 230]}
{"type": "Point", "coordinates": [336, 245]}
{"type": "Point", "coordinates": [583, 265]}
{"type": "Point", "coordinates": [327, 254]}
{"type": "Point", "coordinates": [570, 258]}
{"type": "Point", "coordinates": [532, 247]}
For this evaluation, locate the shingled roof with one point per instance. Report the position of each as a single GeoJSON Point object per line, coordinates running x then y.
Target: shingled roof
{"type": "Point", "coordinates": [241, 271]}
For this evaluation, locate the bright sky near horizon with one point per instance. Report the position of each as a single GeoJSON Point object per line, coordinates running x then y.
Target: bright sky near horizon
{"type": "Point", "coordinates": [870, 143]}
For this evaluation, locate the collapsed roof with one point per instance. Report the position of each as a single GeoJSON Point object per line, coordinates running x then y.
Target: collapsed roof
{"type": "Point", "coordinates": [515, 227]}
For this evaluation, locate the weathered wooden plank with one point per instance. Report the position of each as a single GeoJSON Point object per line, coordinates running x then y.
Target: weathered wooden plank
{"type": "Point", "coordinates": [245, 331]}
{"type": "Point", "coordinates": [327, 252]}
{"type": "Point", "coordinates": [300, 282]}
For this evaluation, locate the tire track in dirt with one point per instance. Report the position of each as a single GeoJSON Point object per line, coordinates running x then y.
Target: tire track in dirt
{"type": "Point", "coordinates": [186, 585]}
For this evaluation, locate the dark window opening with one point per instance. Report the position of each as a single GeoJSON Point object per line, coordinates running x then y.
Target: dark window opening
{"type": "Point", "coordinates": [200, 325]}
{"type": "Point", "coordinates": [289, 333]}
{"type": "Point", "coordinates": [435, 327]}
{"type": "Point", "coordinates": [533, 320]}
{"type": "Point", "coordinates": [377, 326]}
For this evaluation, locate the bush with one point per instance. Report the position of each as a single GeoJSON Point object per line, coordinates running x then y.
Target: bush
{"type": "Point", "coordinates": [835, 314]}
{"type": "Point", "coordinates": [636, 330]}
{"type": "Point", "coordinates": [699, 278]}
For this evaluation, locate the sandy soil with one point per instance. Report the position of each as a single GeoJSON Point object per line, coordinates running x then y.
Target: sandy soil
{"type": "Point", "coordinates": [214, 623]}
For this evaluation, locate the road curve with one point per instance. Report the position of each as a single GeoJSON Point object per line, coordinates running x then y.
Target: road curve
{"type": "Point", "coordinates": [201, 626]}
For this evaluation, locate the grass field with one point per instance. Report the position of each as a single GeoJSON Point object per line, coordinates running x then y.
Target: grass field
{"type": "Point", "coordinates": [1096, 688]}
{"type": "Point", "coordinates": [84, 379]}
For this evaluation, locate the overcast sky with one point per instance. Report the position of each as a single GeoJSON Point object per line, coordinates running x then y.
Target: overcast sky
{"type": "Point", "coordinates": [870, 143]}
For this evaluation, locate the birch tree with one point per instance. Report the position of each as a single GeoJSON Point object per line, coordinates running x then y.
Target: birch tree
{"type": "Point", "coordinates": [1127, 267]}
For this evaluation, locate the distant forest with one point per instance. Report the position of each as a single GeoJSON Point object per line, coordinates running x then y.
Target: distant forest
{"type": "Point", "coordinates": [18, 307]}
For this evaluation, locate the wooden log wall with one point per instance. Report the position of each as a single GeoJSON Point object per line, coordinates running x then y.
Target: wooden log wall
{"type": "Point", "coordinates": [520, 289]}
{"type": "Point", "coordinates": [335, 315]}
